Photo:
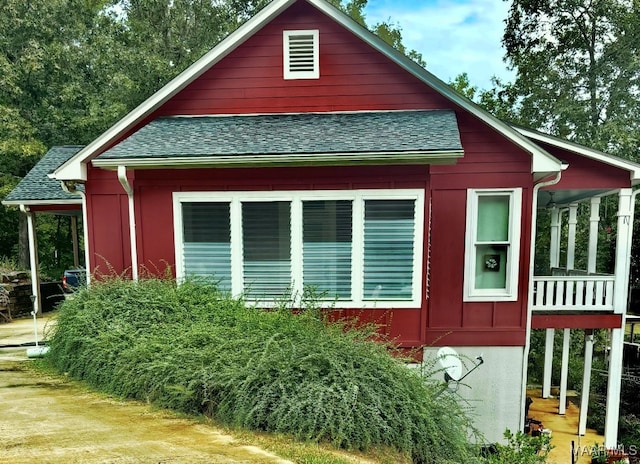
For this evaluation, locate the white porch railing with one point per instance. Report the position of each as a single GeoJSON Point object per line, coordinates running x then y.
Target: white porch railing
{"type": "Point", "coordinates": [578, 293]}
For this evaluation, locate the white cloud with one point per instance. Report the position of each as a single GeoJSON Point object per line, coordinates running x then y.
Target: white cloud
{"type": "Point", "coordinates": [454, 36]}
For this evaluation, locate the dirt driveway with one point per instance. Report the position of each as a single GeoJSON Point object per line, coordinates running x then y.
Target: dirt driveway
{"type": "Point", "coordinates": [47, 420]}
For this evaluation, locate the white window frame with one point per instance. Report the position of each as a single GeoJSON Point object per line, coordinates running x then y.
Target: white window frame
{"type": "Point", "coordinates": [315, 73]}
{"type": "Point", "coordinates": [510, 292]}
{"type": "Point", "coordinates": [296, 198]}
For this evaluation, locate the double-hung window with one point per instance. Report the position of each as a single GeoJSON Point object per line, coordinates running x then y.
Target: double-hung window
{"type": "Point", "coordinates": [492, 244]}
{"type": "Point", "coordinates": [357, 247]}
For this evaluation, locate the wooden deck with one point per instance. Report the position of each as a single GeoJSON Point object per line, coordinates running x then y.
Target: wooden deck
{"type": "Point", "coordinates": [564, 429]}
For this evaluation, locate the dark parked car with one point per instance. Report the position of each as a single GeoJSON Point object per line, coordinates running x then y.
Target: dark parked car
{"type": "Point", "coordinates": [73, 278]}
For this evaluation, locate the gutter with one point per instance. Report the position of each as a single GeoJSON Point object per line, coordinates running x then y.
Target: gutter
{"type": "Point", "coordinates": [279, 159]}
{"type": "Point", "coordinates": [122, 177]}
{"type": "Point", "coordinates": [532, 251]}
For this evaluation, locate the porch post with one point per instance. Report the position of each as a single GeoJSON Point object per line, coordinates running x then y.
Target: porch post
{"type": "Point", "coordinates": [564, 373]}
{"type": "Point", "coordinates": [33, 260]}
{"type": "Point", "coordinates": [594, 221]}
{"type": "Point", "coordinates": [571, 237]}
{"type": "Point", "coordinates": [623, 257]}
{"type": "Point", "coordinates": [554, 261]}
{"type": "Point", "coordinates": [586, 382]}
{"type": "Point", "coordinates": [548, 363]}
{"type": "Point", "coordinates": [74, 241]}
{"type": "Point", "coordinates": [554, 244]}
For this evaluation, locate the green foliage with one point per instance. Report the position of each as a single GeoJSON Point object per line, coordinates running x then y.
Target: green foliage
{"type": "Point", "coordinates": [521, 449]}
{"type": "Point", "coordinates": [577, 70]}
{"type": "Point", "coordinates": [576, 358]}
{"type": "Point", "coordinates": [193, 349]}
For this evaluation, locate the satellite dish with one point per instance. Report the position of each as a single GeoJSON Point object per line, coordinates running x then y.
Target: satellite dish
{"type": "Point", "coordinates": [450, 362]}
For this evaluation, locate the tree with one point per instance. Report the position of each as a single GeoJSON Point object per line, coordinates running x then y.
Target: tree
{"type": "Point", "coordinates": [578, 73]}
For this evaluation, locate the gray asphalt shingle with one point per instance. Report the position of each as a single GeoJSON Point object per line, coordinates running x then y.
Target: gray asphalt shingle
{"type": "Point", "coordinates": [37, 186]}
{"type": "Point", "coordinates": [284, 134]}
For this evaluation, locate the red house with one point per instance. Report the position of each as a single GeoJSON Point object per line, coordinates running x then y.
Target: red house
{"type": "Point", "coordinates": [305, 151]}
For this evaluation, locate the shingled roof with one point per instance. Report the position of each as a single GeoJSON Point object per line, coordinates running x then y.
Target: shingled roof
{"type": "Point", "coordinates": [37, 188]}
{"type": "Point", "coordinates": [282, 136]}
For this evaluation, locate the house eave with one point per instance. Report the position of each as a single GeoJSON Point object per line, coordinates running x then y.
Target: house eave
{"type": "Point", "coordinates": [633, 168]}
{"type": "Point", "coordinates": [42, 202]}
{"type": "Point", "coordinates": [275, 160]}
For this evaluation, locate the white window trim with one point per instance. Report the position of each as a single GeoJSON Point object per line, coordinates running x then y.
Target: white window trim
{"type": "Point", "coordinates": [510, 293]}
{"type": "Point", "coordinates": [315, 74]}
{"type": "Point", "coordinates": [296, 198]}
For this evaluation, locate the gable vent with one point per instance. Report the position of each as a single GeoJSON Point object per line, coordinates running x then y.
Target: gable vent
{"type": "Point", "coordinates": [301, 54]}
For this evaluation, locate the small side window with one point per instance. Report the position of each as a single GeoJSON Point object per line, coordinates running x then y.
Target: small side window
{"type": "Point", "coordinates": [492, 245]}
{"type": "Point", "coordinates": [301, 54]}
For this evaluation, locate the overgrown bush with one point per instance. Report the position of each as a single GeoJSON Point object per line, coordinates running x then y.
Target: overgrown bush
{"type": "Point", "coordinates": [194, 349]}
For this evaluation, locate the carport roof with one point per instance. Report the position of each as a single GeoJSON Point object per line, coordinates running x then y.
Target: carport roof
{"type": "Point", "coordinates": [36, 188]}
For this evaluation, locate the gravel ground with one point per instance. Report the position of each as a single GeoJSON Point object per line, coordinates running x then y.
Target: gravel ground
{"type": "Point", "coordinates": [46, 419]}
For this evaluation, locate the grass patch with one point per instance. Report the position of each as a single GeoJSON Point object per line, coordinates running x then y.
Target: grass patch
{"type": "Point", "coordinates": [195, 350]}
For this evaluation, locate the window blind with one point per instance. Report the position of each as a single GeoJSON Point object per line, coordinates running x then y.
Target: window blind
{"type": "Point", "coordinates": [327, 246]}
{"type": "Point", "coordinates": [389, 230]}
{"type": "Point", "coordinates": [207, 241]}
{"type": "Point", "coordinates": [266, 241]}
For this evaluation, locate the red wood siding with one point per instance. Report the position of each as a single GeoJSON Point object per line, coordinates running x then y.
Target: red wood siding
{"type": "Point", "coordinates": [587, 173]}
{"type": "Point", "coordinates": [108, 217]}
{"type": "Point", "coordinates": [583, 321]}
{"type": "Point", "coordinates": [353, 76]}
{"type": "Point", "coordinates": [490, 161]}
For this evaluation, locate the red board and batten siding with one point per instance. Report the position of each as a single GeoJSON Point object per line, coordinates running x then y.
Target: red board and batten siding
{"type": "Point", "coordinates": [353, 77]}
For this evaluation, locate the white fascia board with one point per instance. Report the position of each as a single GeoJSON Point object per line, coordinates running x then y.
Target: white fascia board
{"type": "Point", "coordinates": [41, 202]}
{"type": "Point", "coordinates": [542, 161]}
{"type": "Point", "coordinates": [633, 168]}
{"type": "Point", "coordinates": [75, 167]}
{"type": "Point", "coordinates": [303, 159]}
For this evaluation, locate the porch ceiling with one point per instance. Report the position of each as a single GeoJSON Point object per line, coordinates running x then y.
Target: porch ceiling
{"type": "Point", "coordinates": [562, 198]}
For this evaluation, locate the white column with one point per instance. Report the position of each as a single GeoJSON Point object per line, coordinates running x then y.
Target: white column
{"type": "Point", "coordinates": [623, 258]}
{"type": "Point", "coordinates": [554, 244]}
{"type": "Point", "coordinates": [33, 260]}
{"type": "Point", "coordinates": [571, 235]}
{"type": "Point", "coordinates": [586, 382]}
{"type": "Point", "coordinates": [548, 363]}
{"type": "Point", "coordinates": [613, 389]}
{"type": "Point", "coordinates": [594, 222]}
{"type": "Point", "coordinates": [554, 261]}
{"type": "Point", "coordinates": [564, 373]}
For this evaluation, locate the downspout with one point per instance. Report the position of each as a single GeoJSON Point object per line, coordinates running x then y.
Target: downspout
{"type": "Point", "coordinates": [71, 188]}
{"type": "Point", "coordinates": [122, 177]}
{"type": "Point", "coordinates": [33, 261]}
{"type": "Point", "coordinates": [532, 251]}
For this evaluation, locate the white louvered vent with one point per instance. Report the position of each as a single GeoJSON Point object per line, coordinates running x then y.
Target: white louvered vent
{"type": "Point", "coordinates": [301, 56]}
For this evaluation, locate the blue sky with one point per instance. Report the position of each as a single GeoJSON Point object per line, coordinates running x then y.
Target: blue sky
{"type": "Point", "coordinates": [454, 36]}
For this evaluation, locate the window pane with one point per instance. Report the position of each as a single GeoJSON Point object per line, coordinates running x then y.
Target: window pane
{"type": "Point", "coordinates": [389, 230]}
{"type": "Point", "coordinates": [207, 241]}
{"type": "Point", "coordinates": [491, 266]}
{"type": "Point", "coordinates": [266, 241]}
{"type": "Point", "coordinates": [326, 246]}
{"type": "Point", "coordinates": [493, 218]}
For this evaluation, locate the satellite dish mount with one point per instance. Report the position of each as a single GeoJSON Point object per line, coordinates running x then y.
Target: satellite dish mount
{"type": "Point", "coordinates": [450, 361]}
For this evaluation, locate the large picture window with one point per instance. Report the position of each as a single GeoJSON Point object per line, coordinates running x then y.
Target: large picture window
{"type": "Point", "coordinates": [356, 247]}
{"type": "Point", "coordinates": [492, 245]}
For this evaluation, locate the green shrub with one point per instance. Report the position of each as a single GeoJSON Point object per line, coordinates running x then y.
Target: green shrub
{"type": "Point", "coordinates": [521, 449]}
{"type": "Point", "coordinates": [194, 349]}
